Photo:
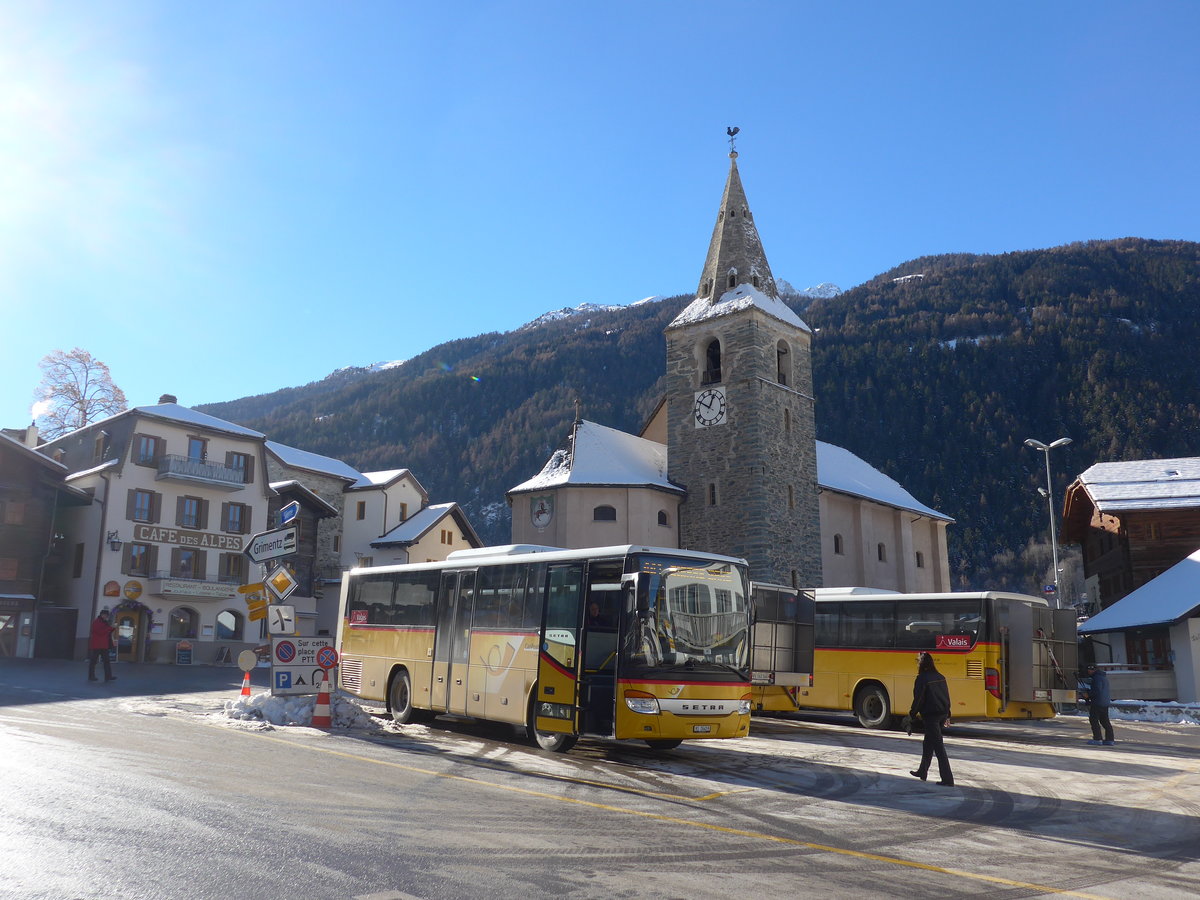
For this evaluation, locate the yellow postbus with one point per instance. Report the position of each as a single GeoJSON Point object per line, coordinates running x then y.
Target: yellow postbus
{"type": "Point", "coordinates": [1004, 655]}
{"type": "Point", "coordinates": [781, 663]}
{"type": "Point", "coordinates": [621, 642]}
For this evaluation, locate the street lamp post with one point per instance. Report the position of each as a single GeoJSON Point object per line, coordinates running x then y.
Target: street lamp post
{"type": "Point", "coordinates": [1049, 492]}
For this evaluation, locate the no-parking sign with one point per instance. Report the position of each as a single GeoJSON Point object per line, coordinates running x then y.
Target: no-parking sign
{"type": "Point", "coordinates": [296, 664]}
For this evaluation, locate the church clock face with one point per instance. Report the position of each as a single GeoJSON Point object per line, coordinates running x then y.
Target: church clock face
{"type": "Point", "coordinates": [709, 408]}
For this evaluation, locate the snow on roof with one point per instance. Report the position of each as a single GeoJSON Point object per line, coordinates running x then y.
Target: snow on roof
{"type": "Point", "coordinates": [1173, 595]}
{"type": "Point", "coordinates": [607, 456]}
{"type": "Point", "coordinates": [744, 296]}
{"type": "Point", "coordinates": [30, 453]}
{"type": "Point", "coordinates": [413, 527]}
{"type": "Point", "coordinates": [293, 485]}
{"type": "Point", "coordinates": [1143, 484]}
{"type": "Point", "coordinates": [107, 464]}
{"type": "Point", "coordinates": [603, 455]}
{"type": "Point", "coordinates": [840, 470]}
{"type": "Point", "coordinates": [315, 462]}
{"type": "Point", "coordinates": [177, 413]}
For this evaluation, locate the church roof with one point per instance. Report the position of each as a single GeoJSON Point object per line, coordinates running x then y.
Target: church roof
{"type": "Point", "coordinates": [840, 470]}
{"type": "Point", "coordinates": [604, 456]}
{"type": "Point", "coordinates": [597, 455]}
{"type": "Point", "coordinates": [736, 254]}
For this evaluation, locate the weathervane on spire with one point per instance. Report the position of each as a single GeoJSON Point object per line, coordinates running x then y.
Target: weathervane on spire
{"type": "Point", "coordinates": [732, 131]}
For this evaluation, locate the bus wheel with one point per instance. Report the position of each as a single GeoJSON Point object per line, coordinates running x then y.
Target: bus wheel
{"type": "Point", "coordinates": [664, 743]}
{"type": "Point", "coordinates": [400, 699]}
{"type": "Point", "coordinates": [872, 707]}
{"type": "Point", "coordinates": [553, 741]}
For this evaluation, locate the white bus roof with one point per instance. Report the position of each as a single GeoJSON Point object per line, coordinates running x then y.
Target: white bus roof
{"type": "Point", "coordinates": [856, 594]}
{"type": "Point", "coordinates": [510, 553]}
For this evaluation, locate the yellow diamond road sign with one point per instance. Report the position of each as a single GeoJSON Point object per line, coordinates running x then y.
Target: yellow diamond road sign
{"type": "Point", "coordinates": [281, 583]}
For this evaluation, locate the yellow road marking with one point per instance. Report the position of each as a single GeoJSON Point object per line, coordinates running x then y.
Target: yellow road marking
{"type": "Point", "coordinates": [689, 823]}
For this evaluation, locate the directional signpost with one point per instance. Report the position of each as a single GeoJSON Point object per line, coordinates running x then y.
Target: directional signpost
{"type": "Point", "coordinates": [269, 545]}
{"type": "Point", "coordinates": [289, 512]}
{"type": "Point", "coordinates": [256, 600]}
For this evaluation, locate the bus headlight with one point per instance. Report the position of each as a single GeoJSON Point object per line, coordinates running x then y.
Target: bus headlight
{"type": "Point", "coordinates": [744, 706]}
{"type": "Point", "coordinates": [641, 702]}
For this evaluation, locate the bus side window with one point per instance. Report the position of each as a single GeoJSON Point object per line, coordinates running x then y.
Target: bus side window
{"type": "Point", "coordinates": [535, 597]}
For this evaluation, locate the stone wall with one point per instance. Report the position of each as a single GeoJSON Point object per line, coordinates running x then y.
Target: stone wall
{"type": "Point", "coordinates": [762, 460]}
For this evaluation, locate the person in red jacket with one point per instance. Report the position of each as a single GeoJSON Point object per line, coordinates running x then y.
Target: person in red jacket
{"type": "Point", "coordinates": [99, 644]}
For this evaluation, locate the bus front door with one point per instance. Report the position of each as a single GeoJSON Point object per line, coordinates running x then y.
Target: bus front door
{"type": "Point", "coordinates": [556, 701]}
{"type": "Point", "coordinates": [448, 691]}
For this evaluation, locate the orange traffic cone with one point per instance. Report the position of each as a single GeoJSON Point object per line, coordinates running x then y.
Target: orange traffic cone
{"type": "Point", "coordinates": [246, 685]}
{"type": "Point", "coordinates": [321, 717]}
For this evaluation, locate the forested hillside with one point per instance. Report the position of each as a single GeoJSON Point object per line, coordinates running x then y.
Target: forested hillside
{"type": "Point", "coordinates": [934, 372]}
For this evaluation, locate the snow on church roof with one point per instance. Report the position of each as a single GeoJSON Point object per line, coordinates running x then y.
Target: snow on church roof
{"type": "Point", "coordinates": [603, 455]}
{"type": "Point", "coordinates": [606, 456]}
{"type": "Point", "coordinates": [840, 470]}
{"type": "Point", "coordinates": [1162, 600]}
{"type": "Point", "coordinates": [744, 296]}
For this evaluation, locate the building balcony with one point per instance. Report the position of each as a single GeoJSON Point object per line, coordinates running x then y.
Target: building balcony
{"type": "Point", "coordinates": [173, 467]}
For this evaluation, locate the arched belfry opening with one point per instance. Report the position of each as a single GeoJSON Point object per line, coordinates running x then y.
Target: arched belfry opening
{"type": "Point", "coordinates": [712, 362]}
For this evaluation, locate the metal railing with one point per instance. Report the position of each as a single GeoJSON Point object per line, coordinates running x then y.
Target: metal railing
{"type": "Point", "coordinates": [201, 470]}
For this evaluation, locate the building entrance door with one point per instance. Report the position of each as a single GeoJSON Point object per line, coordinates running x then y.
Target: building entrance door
{"type": "Point", "coordinates": [129, 635]}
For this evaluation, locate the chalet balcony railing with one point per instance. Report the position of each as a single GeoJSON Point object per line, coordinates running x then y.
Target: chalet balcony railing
{"type": "Point", "coordinates": [184, 468]}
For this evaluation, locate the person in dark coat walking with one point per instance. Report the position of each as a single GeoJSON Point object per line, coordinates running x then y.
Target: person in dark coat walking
{"type": "Point", "coordinates": [1099, 697]}
{"type": "Point", "coordinates": [931, 701]}
{"type": "Point", "coordinates": [99, 644]}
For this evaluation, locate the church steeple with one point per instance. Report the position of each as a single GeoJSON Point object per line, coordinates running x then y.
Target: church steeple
{"type": "Point", "coordinates": [735, 253]}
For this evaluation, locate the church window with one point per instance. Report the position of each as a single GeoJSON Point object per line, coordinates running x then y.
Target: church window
{"type": "Point", "coordinates": [663, 518]}
{"type": "Point", "coordinates": [920, 560]}
{"type": "Point", "coordinates": [733, 279]}
{"type": "Point", "coordinates": [604, 514]}
{"type": "Point", "coordinates": [712, 495]}
{"type": "Point", "coordinates": [781, 362]}
{"type": "Point", "coordinates": [839, 545]}
{"type": "Point", "coordinates": [712, 362]}
{"type": "Point", "coordinates": [881, 550]}
{"type": "Point", "coordinates": [756, 284]}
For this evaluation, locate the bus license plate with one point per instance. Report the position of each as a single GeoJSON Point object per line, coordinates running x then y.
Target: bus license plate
{"type": "Point", "coordinates": [701, 729]}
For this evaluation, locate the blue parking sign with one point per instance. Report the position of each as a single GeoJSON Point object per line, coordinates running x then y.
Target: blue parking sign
{"type": "Point", "coordinates": [283, 679]}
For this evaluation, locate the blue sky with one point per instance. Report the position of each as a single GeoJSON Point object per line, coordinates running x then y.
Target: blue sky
{"type": "Point", "coordinates": [221, 199]}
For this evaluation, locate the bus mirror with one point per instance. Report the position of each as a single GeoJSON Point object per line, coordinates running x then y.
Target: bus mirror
{"type": "Point", "coordinates": [632, 600]}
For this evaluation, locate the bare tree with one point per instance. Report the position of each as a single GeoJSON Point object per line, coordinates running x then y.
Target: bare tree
{"type": "Point", "coordinates": [76, 390]}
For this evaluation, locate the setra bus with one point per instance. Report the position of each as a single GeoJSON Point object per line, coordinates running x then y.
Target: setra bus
{"type": "Point", "coordinates": [782, 646]}
{"type": "Point", "coordinates": [623, 642]}
{"type": "Point", "coordinates": [1004, 655]}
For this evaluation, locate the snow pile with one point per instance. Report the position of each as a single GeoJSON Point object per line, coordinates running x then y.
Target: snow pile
{"type": "Point", "coordinates": [298, 710]}
{"type": "Point", "coordinates": [1149, 711]}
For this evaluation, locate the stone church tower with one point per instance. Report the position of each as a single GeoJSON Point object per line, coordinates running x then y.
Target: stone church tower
{"type": "Point", "coordinates": [741, 432]}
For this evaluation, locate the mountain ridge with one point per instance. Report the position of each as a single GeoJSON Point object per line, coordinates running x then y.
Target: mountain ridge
{"type": "Point", "coordinates": [935, 380]}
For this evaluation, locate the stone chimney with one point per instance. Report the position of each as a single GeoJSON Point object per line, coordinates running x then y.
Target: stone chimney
{"type": "Point", "coordinates": [168, 398]}
{"type": "Point", "coordinates": [31, 435]}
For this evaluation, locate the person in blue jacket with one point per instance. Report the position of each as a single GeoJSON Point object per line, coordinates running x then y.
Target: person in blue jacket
{"type": "Point", "coordinates": [1099, 697]}
{"type": "Point", "coordinates": [931, 701]}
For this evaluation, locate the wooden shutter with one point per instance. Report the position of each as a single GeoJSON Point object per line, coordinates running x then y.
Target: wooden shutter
{"type": "Point", "coordinates": [152, 561]}
{"type": "Point", "coordinates": [225, 516]}
{"type": "Point", "coordinates": [127, 559]}
{"type": "Point", "coordinates": [179, 522]}
{"type": "Point", "coordinates": [247, 511]}
{"type": "Point", "coordinates": [130, 501]}
{"type": "Point", "coordinates": [203, 515]}
{"type": "Point", "coordinates": [200, 570]}
{"type": "Point", "coordinates": [155, 507]}
{"type": "Point", "coordinates": [175, 562]}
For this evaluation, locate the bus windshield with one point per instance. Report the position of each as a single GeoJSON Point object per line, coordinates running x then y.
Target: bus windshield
{"type": "Point", "coordinates": [688, 618]}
